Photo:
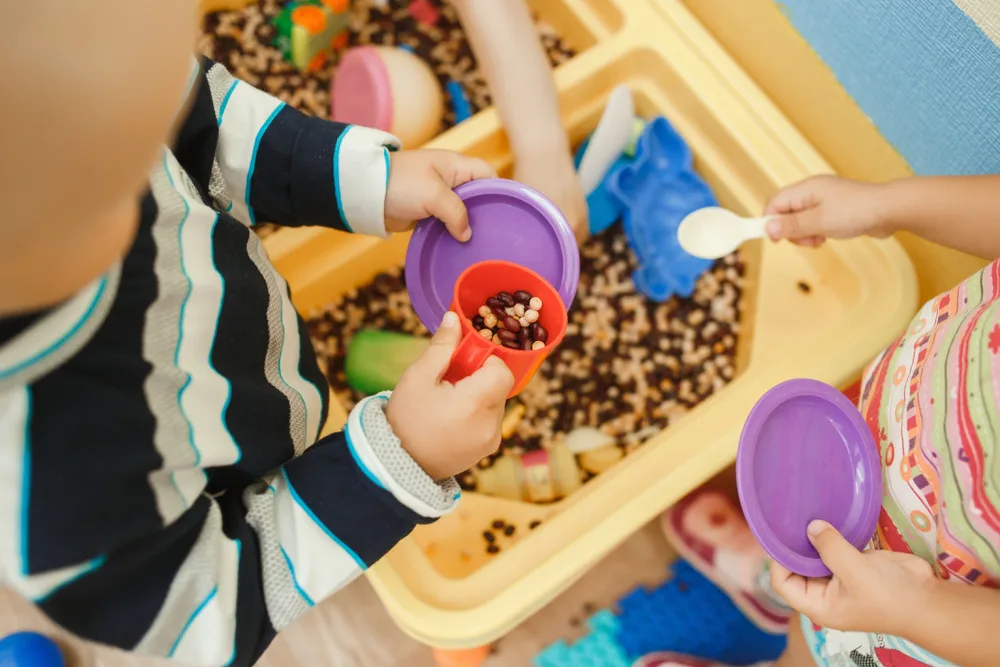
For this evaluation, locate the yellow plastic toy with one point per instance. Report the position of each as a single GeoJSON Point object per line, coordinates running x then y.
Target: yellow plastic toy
{"type": "Point", "coordinates": [820, 313]}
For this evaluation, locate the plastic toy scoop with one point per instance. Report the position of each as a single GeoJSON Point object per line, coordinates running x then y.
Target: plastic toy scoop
{"type": "Point", "coordinates": [609, 141]}
{"type": "Point", "coordinates": [806, 453]}
{"type": "Point", "coordinates": [483, 280]}
{"type": "Point", "coordinates": [713, 232]}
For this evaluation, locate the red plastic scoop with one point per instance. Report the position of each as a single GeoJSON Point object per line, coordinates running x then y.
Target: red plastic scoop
{"type": "Point", "coordinates": [483, 280]}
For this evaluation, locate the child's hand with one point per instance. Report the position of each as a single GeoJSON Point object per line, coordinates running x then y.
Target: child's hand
{"type": "Point", "coordinates": [448, 428]}
{"type": "Point", "coordinates": [558, 182]}
{"type": "Point", "coordinates": [421, 184]}
{"type": "Point", "coordinates": [823, 207]}
{"type": "Point", "coordinates": [873, 591]}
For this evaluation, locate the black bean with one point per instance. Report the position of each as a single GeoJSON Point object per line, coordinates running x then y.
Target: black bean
{"type": "Point", "coordinates": [540, 333]}
{"type": "Point", "coordinates": [492, 549]}
{"type": "Point", "coordinates": [534, 524]}
{"type": "Point", "coordinates": [522, 297]}
{"type": "Point", "coordinates": [509, 530]}
{"type": "Point", "coordinates": [477, 322]}
{"type": "Point", "coordinates": [507, 336]}
{"type": "Point", "coordinates": [489, 536]}
{"type": "Point", "coordinates": [499, 523]}
{"type": "Point", "coordinates": [506, 299]}
{"type": "Point", "coordinates": [511, 324]}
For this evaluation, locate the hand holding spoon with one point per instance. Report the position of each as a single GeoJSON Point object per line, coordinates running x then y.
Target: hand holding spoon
{"type": "Point", "coordinates": [713, 232]}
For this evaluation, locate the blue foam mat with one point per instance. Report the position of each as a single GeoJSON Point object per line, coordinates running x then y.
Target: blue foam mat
{"type": "Point", "coordinates": [687, 614]}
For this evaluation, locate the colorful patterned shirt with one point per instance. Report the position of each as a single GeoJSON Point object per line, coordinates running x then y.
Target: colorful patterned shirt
{"type": "Point", "coordinates": [932, 401]}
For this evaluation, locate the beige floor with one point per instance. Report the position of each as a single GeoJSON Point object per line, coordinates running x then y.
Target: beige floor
{"type": "Point", "coordinates": [353, 630]}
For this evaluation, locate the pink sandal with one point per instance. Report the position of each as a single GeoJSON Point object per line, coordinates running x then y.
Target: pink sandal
{"type": "Point", "coordinates": [708, 530]}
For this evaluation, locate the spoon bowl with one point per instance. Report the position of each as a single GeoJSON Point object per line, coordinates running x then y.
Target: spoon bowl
{"type": "Point", "coordinates": [713, 232]}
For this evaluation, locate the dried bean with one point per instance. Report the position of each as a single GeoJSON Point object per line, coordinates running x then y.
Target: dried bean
{"type": "Point", "coordinates": [531, 315]}
{"type": "Point", "coordinates": [499, 314]}
{"type": "Point", "coordinates": [526, 344]}
{"type": "Point", "coordinates": [537, 345]}
{"type": "Point", "coordinates": [518, 309]}
{"type": "Point", "coordinates": [511, 344]}
{"type": "Point", "coordinates": [523, 322]}
{"type": "Point", "coordinates": [535, 303]}
{"type": "Point", "coordinates": [486, 334]}
{"type": "Point", "coordinates": [483, 311]}
{"type": "Point", "coordinates": [478, 322]}
{"type": "Point", "coordinates": [511, 324]}
{"type": "Point", "coordinates": [506, 299]}
{"type": "Point", "coordinates": [493, 302]}
{"type": "Point", "coordinates": [507, 336]}
{"type": "Point", "coordinates": [524, 335]}
{"type": "Point", "coordinates": [522, 297]}
{"type": "Point", "coordinates": [540, 333]}
{"type": "Point", "coordinates": [490, 320]}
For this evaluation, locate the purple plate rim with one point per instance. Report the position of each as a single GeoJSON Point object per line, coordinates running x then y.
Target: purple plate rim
{"type": "Point", "coordinates": [492, 186]}
{"type": "Point", "coordinates": [862, 531]}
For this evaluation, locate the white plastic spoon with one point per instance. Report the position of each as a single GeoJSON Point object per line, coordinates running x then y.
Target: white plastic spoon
{"type": "Point", "coordinates": [609, 140]}
{"type": "Point", "coordinates": [713, 232]}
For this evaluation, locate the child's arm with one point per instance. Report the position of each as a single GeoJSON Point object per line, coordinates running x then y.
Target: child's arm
{"type": "Point", "coordinates": [512, 59]}
{"type": "Point", "coordinates": [163, 545]}
{"type": "Point", "coordinates": [961, 212]}
{"type": "Point", "coordinates": [897, 594]}
{"type": "Point", "coordinates": [268, 162]}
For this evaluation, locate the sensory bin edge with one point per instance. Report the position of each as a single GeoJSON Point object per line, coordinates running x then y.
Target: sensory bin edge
{"type": "Point", "coordinates": [820, 314]}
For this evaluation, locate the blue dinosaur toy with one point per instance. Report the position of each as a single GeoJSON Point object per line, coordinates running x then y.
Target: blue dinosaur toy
{"type": "Point", "coordinates": [656, 191]}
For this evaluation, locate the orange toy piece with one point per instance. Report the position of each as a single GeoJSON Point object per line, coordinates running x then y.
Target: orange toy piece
{"type": "Point", "coordinates": [472, 657]}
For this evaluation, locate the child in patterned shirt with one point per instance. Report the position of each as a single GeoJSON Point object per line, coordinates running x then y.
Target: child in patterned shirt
{"type": "Point", "coordinates": [924, 593]}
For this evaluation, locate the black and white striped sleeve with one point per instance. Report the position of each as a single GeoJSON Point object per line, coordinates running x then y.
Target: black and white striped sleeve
{"type": "Point", "coordinates": [206, 581]}
{"type": "Point", "coordinates": [276, 164]}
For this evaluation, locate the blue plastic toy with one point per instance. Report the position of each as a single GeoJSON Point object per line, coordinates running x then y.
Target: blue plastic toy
{"type": "Point", "coordinates": [459, 102]}
{"type": "Point", "coordinates": [689, 615]}
{"type": "Point", "coordinates": [686, 615]}
{"type": "Point", "coordinates": [29, 649]}
{"type": "Point", "coordinates": [656, 191]}
{"type": "Point", "coordinates": [598, 649]}
{"type": "Point", "coordinates": [603, 209]}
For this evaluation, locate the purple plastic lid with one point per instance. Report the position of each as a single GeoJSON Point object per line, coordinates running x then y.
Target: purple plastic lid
{"type": "Point", "coordinates": [510, 221]}
{"type": "Point", "coordinates": [806, 453]}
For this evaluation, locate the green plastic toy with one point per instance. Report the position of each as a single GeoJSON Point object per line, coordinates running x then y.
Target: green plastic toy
{"type": "Point", "coordinates": [377, 359]}
{"type": "Point", "coordinates": [307, 30]}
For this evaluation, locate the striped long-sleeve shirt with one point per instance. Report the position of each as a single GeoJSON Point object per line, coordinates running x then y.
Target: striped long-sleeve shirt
{"type": "Point", "coordinates": [162, 488]}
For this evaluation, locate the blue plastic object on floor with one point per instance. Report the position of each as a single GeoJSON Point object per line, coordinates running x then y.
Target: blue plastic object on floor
{"type": "Point", "coordinates": [29, 649]}
{"type": "Point", "coordinates": [689, 615]}
{"type": "Point", "coordinates": [598, 649]}
{"type": "Point", "coordinates": [656, 192]}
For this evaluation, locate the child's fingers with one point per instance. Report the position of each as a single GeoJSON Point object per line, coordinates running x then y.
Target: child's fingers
{"type": "Point", "coordinates": [802, 227]}
{"type": "Point", "coordinates": [490, 384]}
{"type": "Point", "coordinates": [449, 208]}
{"type": "Point", "coordinates": [801, 195]}
{"type": "Point", "coordinates": [456, 168]}
{"type": "Point", "coordinates": [435, 359]}
{"type": "Point", "coordinates": [838, 554]}
{"type": "Point", "coordinates": [802, 594]}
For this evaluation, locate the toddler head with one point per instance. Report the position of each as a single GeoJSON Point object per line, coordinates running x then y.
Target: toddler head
{"type": "Point", "coordinates": [89, 91]}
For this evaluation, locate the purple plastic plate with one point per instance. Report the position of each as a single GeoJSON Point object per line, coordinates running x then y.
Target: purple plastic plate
{"type": "Point", "coordinates": [806, 453]}
{"type": "Point", "coordinates": [509, 221]}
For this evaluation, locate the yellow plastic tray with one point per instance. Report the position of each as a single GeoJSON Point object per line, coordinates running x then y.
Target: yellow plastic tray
{"type": "Point", "coordinates": [807, 313]}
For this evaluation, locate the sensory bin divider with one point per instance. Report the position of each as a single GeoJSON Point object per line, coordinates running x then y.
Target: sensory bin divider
{"type": "Point", "coordinates": [806, 313]}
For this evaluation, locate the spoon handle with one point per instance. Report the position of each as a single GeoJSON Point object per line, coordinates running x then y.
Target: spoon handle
{"type": "Point", "coordinates": [754, 228]}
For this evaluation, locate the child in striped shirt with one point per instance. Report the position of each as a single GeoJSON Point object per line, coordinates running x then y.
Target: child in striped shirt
{"type": "Point", "coordinates": [163, 484]}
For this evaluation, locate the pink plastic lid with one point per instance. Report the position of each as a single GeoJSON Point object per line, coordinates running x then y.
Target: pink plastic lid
{"type": "Point", "coordinates": [361, 91]}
